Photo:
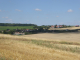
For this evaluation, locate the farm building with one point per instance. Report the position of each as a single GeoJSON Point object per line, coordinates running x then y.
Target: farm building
{"type": "Point", "coordinates": [77, 26]}
{"type": "Point", "coordinates": [18, 33]}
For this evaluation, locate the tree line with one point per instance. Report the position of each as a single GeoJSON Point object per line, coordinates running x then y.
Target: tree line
{"type": "Point", "coordinates": [16, 24]}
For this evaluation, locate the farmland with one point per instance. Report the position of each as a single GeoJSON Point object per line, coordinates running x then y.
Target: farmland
{"type": "Point", "coordinates": [40, 46]}
{"type": "Point", "coordinates": [71, 36]}
{"type": "Point", "coordinates": [15, 27]}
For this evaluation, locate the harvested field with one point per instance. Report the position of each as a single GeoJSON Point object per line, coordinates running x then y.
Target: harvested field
{"type": "Point", "coordinates": [37, 47]}
{"type": "Point", "coordinates": [56, 36]}
{"type": "Point", "coordinates": [69, 28]}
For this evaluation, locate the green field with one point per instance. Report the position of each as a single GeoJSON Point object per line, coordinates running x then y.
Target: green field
{"type": "Point", "coordinates": [15, 27]}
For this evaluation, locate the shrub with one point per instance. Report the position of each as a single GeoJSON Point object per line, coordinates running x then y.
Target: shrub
{"type": "Point", "coordinates": [27, 33]}
{"type": "Point", "coordinates": [0, 32]}
{"type": "Point", "coordinates": [4, 32]}
{"type": "Point", "coordinates": [11, 32]}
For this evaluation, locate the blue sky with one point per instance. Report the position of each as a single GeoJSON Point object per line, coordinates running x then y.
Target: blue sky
{"type": "Point", "coordinates": [40, 12]}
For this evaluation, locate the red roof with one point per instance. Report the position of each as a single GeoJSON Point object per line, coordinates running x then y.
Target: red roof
{"type": "Point", "coordinates": [52, 26]}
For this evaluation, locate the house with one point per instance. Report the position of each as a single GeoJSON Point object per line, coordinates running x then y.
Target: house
{"type": "Point", "coordinates": [18, 33]}
{"type": "Point", "coordinates": [57, 26]}
{"type": "Point", "coordinates": [52, 26]}
{"type": "Point", "coordinates": [60, 26]}
{"type": "Point", "coordinates": [77, 26]}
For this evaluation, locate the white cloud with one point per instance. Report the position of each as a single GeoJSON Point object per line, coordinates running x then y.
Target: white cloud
{"type": "Point", "coordinates": [19, 22]}
{"type": "Point", "coordinates": [27, 20]}
{"type": "Point", "coordinates": [37, 16]}
{"type": "Point", "coordinates": [79, 21]}
{"type": "Point", "coordinates": [18, 10]}
{"type": "Point", "coordinates": [57, 16]}
{"type": "Point", "coordinates": [61, 23]}
{"type": "Point", "coordinates": [70, 10]}
{"type": "Point", "coordinates": [0, 10]}
{"type": "Point", "coordinates": [38, 9]}
{"type": "Point", "coordinates": [6, 17]}
{"type": "Point", "coordinates": [8, 20]}
{"type": "Point", "coordinates": [2, 17]}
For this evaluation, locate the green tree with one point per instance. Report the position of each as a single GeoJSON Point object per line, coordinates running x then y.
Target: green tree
{"type": "Point", "coordinates": [0, 32]}
{"type": "Point", "coordinates": [55, 26]}
{"type": "Point", "coordinates": [11, 32]}
{"type": "Point", "coordinates": [4, 32]}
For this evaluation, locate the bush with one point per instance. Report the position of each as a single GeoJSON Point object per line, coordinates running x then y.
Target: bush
{"type": "Point", "coordinates": [0, 32]}
{"type": "Point", "coordinates": [4, 32]}
{"type": "Point", "coordinates": [11, 32]}
{"type": "Point", "coordinates": [27, 33]}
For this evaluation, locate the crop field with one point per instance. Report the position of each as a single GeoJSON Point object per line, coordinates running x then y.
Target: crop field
{"type": "Point", "coordinates": [69, 28]}
{"type": "Point", "coordinates": [71, 36]}
{"type": "Point", "coordinates": [36, 47]}
{"type": "Point", "coordinates": [15, 27]}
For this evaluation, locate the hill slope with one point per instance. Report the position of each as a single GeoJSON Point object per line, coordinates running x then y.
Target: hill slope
{"type": "Point", "coordinates": [16, 48]}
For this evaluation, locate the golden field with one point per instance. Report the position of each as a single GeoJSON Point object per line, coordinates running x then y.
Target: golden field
{"type": "Point", "coordinates": [69, 28]}
{"type": "Point", "coordinates": [43, 46]}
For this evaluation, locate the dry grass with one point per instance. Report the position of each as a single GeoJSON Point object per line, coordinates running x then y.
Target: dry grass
{"type": "Point", "coordinates": [73, 37]}
{"type": "Point", "coordinates": [18, 48]}
{"type": "Point", "coordinates": [69, 28]}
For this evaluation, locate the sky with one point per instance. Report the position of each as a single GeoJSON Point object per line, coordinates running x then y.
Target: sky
{"type": "Point", "coordinates": [40, 12]}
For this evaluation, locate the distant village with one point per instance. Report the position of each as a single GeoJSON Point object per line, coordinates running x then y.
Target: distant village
{"type": "Point", "coordinates": [61, 26]}
{"type": "Point", "coordinates": [38, 29]}
{"type": "Point", "coordinates": [64, 28]}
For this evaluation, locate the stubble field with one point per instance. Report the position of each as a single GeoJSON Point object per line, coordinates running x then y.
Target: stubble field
{"type": "Point", "coordinates": [74, 37]}
{"type": "Point", "coordinates": [43, 46]}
